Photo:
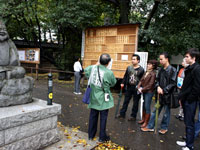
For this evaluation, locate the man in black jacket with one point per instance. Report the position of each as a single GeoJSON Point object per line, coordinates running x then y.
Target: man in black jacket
{"type": "Point", "coordinates": [131, 79]}
{"type": "Point", "coordinates": [189, 96]}
{"type": "Point", "coordinates": [166, 81]}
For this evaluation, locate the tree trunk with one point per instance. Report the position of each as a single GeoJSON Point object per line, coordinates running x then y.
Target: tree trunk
{"type": "Point", "coordinates": [124, 8]}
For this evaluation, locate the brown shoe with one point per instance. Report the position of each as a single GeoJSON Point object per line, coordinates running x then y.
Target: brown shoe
{"type": "Point", "coordinates": [143, 118]}
{"type": "Point", "coordinates": [162, 131]}
{"type": "Point", "coordinates": [147, 130]}
{"type": "Point", "coordinates": [131, 119]}
{"type": "Point", "coordinates": [146, 121]}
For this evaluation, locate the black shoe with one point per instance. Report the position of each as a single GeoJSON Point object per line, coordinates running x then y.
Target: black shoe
{"type": "Point", "coordinates": [90, 138]}
{"type": "Point", "coordinates": [105, 140]}
{"type": "Point", "coordinates": [181, 118]}
{"type": "Point", "coordinates": [131, 119]}
{"type": "Point", "coordinates": [184, 137]}
{"type": "Point", "coordinates": [178, 117]}
{"type": "Point", "coordinates": [120, 117]}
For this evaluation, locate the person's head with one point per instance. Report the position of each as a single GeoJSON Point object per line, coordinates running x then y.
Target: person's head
{"type": "Point", "coordinates": [184, 64]}
{"type": "Point", "coordinates": [135, 59]}
{"type": "Point", "coordinates": [192, 56]}
{"type": "Point", "coordinates": [164, 58]}
{"type": "Point", "coordinates": [3, 32]}
{"type": "Point", "coordinates": [152, 64]}
{"type": "Point", "coordinates": [77, 58]}
{"type": "Point", "coordinates": [105, 59]}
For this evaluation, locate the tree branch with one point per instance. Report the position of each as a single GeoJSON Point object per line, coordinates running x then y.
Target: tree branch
{"type": "Point", "coordinates": [155, 7]}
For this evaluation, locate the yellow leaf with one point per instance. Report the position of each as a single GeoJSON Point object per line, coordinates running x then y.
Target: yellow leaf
{"type": "Point", "coordinates": [61, 146]}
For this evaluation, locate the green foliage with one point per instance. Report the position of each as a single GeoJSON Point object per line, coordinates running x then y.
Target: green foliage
{"type": "Point", "coordinates": [174, 27]}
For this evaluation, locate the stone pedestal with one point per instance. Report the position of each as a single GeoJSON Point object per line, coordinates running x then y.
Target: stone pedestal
{"type": "Point", "coordinates": [30, 126]}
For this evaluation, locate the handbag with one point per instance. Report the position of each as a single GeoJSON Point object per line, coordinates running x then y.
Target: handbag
{"type": "Point", "coordinates": [174, 101]}
{"type": "Point", "coordinates": [86, 96]}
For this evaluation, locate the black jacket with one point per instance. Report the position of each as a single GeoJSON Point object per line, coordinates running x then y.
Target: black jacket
{"type": "Point", "coordinates": [166, 79]}
{"type": "Point", "coordinates": [125, 81]}
{"type": "Point", "coordinates": [190, 90]}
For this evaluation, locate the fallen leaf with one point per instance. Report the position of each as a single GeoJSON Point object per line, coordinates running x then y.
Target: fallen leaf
{"type": "Point", "coordinates": [61, 146]}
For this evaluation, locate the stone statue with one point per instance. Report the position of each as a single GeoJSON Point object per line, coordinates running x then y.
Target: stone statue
{"type": "Point", "coordinates": [15, 87]}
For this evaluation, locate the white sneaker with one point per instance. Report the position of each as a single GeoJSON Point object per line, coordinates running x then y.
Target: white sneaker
{"type": "Point", "coordinates": [185, 148]}
{"type": "Point", "coordinates": [181, 143]}
{"type": "Point", "coordinates": [75, 93]}
{"type": "Point", "coordinates": [79, 93]}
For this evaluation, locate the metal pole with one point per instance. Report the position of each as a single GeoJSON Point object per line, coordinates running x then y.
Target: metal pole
{"type": "Point", "coordinates": [118, 104]}
{"type": "Point", "coordinates": [50, 89]}
{"type": "Point", "coordinates": [157, 106]}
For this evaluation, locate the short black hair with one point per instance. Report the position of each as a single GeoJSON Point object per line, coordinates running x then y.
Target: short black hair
{"type": "Point", "coordinates": [77, 58]}
{"type": "Point", "coordinates": [193, 52]}
{"type": "Point", "coordinates": [104, 59]}
{"type": "Point", "coordinates": [166, 55]}
{"type": "Point", "coordinates": [137, 56]}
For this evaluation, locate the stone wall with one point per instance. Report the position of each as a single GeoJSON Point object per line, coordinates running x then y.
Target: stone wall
{"type": "Point", "coordinates": [30, 126]}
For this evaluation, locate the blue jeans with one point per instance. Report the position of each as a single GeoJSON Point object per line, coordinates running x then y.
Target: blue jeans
{"type": "Point", "coordinates": [197, 124]}
{"type": "Point", "coordinates": [165, 120]}
{"type": "Point", "coordinates": [147, 102]}
{"type": "Point", "coordinates": [77, 82]}
{"type": "Point", "coordinates": [189, 110]}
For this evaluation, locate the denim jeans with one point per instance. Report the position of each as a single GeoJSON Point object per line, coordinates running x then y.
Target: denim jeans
{"type": "Point", "coordinates": [197, 124]}
{"type": "Point", "coordinates": [189, 110]}
{"type": "Point", "coordinates": [165, 120]}
{"type": "Point", "coordinates": [147, 102]}
{"type": "Point", "coordinates": [77, 82]}
{"type": "Point", "coordinates": [131, 92]}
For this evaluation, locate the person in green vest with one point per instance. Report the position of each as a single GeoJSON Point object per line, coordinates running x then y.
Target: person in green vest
{"type": "Point", "coordinates": [101, 99]}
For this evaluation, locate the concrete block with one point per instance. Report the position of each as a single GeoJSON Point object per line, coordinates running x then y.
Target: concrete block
{"type": "Point", "coordinates": [2, 138]}
{"type": "Point", "coordinates": [30, 129]}
{"type": "Point", "coordinates": [35, 142]}
{"type": "Point", "coordinates": [18, 115]}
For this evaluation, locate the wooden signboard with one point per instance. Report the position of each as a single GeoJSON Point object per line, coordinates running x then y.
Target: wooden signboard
{"type": "Point", "coordinates": [119, 41]}
{"type": "Point", "coordinates": [29, 55]}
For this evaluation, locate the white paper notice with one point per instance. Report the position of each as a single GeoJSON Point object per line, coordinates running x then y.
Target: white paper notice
{"type": "Point", "coordinates": [21, 55]}
{"type": "Point", "coordinates": [36, 56]}
{"type": "Point", "coordinates": [124, 57]}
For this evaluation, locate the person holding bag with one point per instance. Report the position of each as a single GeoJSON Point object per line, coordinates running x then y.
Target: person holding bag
{"type": "Point", "coordinates": [101, 99]}
{"type": "Point", "coordinates": [146, 87]}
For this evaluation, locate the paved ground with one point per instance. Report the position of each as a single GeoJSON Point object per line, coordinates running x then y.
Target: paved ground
{"type": "Point", "coordinates": [75, 114]}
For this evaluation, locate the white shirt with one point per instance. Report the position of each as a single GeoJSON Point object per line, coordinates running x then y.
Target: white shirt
{"type": "Point", "coordinates": [77, 66]}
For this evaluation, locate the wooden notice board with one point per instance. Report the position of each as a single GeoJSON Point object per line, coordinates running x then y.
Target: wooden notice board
{"type": "Point", "coordinates": [29, 55]}
{"type": "Point", "coordinates": [120, 41]}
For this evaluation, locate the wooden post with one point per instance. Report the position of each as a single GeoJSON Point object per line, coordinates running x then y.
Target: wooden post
{"type": "Point", "coordinates": [37, 66]}
{"type": "Point", "coordinates": [32, 71]}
